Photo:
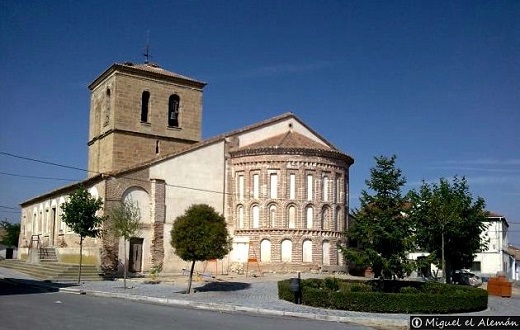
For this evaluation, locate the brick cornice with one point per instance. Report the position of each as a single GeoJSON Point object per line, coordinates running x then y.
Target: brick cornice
{"type": "Point", "coordinates": [293, 151]}
{"type": "Point", "coordinates": [297, 232]}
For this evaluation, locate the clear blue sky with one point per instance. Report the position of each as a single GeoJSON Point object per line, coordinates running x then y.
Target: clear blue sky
{"type": "Point", "coordinates": [435, 82]}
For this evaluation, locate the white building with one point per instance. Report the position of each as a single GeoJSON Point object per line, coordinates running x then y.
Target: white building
{"type": "Point", "coordinates": [496, 258]}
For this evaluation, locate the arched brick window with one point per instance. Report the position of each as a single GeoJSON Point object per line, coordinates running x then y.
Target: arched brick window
{"type": "Point", "coordinates": [255, 216]}
{"type": "Point", "coordinates": [272, 216]}
{"type": "Point", "coordinates": [309, 217]}
{"type": "Point", "coordinates": [325, 254]}
{"type": "Point", "coordinates": [240, 217]}
{"type": "Point", "coordinates": [291, 217]}
{"type": "Point", "coordinates": [307, 251]}
{"type": "Point", "coordinates": [286, 250]}
{"type": "Point", "coordinates": [265, 250]}
{"type": "Point", "coordinates": [325, 218]}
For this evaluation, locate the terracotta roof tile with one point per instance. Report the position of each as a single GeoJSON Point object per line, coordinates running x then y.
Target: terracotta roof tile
{"type": "Point", "coordinates": [155, 69]}
{"type": "Point", "coordinates": [288, 140]}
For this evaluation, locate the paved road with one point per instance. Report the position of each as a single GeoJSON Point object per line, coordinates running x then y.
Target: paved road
{"type": "Point", "coordinates": [253, 295]}
{"type": "Point", "coordinates": [23, 307]}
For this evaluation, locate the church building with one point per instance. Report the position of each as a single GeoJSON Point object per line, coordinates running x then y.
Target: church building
{"type": "Point", "coordinates": [283, 188]}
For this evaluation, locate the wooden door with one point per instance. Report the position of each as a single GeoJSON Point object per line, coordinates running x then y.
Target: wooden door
{"type": "Point", "coordinates": [135, 259]}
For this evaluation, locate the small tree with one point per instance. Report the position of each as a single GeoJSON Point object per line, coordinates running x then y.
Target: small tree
{"type": "Point", "coordinates": [449, 223]}
{"type": "Point", "coordinates": [12, 233]}
{"type": "Point", "coordinates": [200, 234]}
{"type": "Point", "coordinates": [380, 227]}
{"type": "Point", "coordinates": [79, 213]}
{"type": "Point", "coordinates": [124, 221]}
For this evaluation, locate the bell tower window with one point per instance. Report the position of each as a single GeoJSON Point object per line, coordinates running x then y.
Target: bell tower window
{"type": "Point", "coordinates": [145, 102]}
{"type": "Point", "coordinates": [106, 107]}
{"type": "Point", "coordinates": [173, 111]}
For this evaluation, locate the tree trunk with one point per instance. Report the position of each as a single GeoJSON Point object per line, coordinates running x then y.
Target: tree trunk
{"type": "Point", "coordinates": [191, 277]}
{"type": "Point", "coordinates": [125, 263]}
{"type": "Point", "coordinates": [80, 258]}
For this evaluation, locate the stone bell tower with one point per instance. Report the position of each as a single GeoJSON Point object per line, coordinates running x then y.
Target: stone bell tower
{"type": "Point", "coordinates": [139, 112]}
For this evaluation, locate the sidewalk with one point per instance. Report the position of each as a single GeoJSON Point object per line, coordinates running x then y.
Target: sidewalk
{"type": "Point", "coordinates": [247, 294]}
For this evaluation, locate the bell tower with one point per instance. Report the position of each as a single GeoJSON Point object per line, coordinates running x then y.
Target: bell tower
{"type": "Point", "coordinates": [139, 112]}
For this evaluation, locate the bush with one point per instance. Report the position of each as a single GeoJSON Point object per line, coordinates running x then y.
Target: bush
{"type": "Point", "coordinates": [284, 290]}
{"type": "Point", "coordinates": [354, 287]}
{"type": "Point", "coordinates": [409, 290]}
{"type": "Point", "coordinates": [315, 283]}
{"type": "Point", "coordinates": [331, 283]}
{"type": "Point", "coordinates": [403, 296]}
{"type": "Point", "coordinates": [360, 287]}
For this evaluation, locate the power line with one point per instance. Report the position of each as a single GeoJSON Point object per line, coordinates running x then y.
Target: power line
{"type": "Point", "coordinates": [44, 162]}
{"type": "Point", "coordinates": [8, 207]}
{"type": "Point", "coordinates": [84, 170]}
{"type": "Point", "coordinates": [36, 177]}
{"type": "Point", "coordinates": [16, 212]}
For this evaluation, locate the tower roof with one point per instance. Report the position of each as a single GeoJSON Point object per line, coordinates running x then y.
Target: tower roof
{"type": "Point", "coordinates": [149, 70]}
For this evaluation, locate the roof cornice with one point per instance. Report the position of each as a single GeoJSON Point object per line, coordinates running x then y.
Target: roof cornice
{"type": "Point", "coordinates": [293, 151]}
{"type": "Point", "coordinates": [152, 73]}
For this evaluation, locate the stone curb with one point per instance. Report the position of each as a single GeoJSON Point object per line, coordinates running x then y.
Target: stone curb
{"type": "Point", "coordinates": [370, 322]}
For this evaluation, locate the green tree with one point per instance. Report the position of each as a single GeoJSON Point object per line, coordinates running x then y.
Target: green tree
{"type": "Point", "coordinates": [12, 233]}
{"type": "Point", "coordinates": [383, 232]}
{"type": "Point", "coordinates": [200, 234]}
{"type": "Point", "coordinates": [124, 221]}
{"type": "Point", "coordinates": [79, 213]}
{"type": "Point", "coordinates": [449, 223]}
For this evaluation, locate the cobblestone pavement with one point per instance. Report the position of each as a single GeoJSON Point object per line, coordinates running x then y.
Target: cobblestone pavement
{"type": "Point", "coordinates": [248, 294]}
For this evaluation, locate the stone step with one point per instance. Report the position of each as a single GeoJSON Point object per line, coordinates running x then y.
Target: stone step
{"type": "Point", "coordinates": [54, 271]}
{"type": "Point", "coordinates": [48, 254]}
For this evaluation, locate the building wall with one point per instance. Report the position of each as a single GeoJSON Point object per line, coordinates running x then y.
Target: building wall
{"type": "Point", "coordinates": [42, 226]}
{"type": "Point", "coordinates": [261, 133]}
{"type": "Point", "coordinates": [195, 177]}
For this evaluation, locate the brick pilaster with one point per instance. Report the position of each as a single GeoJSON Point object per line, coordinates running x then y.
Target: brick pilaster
{"type": "Point", "coordinates": [159, 217]}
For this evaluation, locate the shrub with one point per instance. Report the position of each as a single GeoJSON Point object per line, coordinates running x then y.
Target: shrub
{"type": "Point", "coordinates": [315, 283]}
{"type": "Point", "coordinates": [331, 283]}
{"type": "Point", "coordinates": [404, 297]}
{"type": "Point", "coordinates": [284, 290]}
{"type": "Point", "coordinates": [360, 287]}
{"type": "Point", "coordinates": [409, 290]}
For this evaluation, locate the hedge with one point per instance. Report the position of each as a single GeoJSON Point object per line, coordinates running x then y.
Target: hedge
{"type": "Point", "coordinates": [404, 297]}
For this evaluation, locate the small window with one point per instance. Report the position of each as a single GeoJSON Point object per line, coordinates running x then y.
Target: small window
{"type": "Point", "coordinates": [106, 107]}
{"type": "Point", "coordinates": [475, 266]}
{"type": "Point", "coordinates": [309, 187]}
{"type": "Point", "coordinates": [274, 186]}
{"type": "Point", "coordinates": [309, 217]}
{"type": "Point", "coordinates": [255, 214]}
{"type": "Point", "coordinates": [240, 217]}
{"type": "Point", "coordinates": [240, 187]}
{"type": "Point", "coordinates": [173, 111]}
{"type": "Point", "coordinates": [256, 186]}
{"type": "Point", "coordinates": [145, 102]}
{"type": "Point", "coordinates": [292, 186]}
{"type": "Point", "coordinates": [272, 216]}
{"type": "Point", "coordinates": [325, 189]}
{"type": "Point", "coordinates": [291, 221]}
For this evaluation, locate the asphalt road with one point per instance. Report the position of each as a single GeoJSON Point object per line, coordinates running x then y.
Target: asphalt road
{"type": "Point", "coordinates": [23, 307]}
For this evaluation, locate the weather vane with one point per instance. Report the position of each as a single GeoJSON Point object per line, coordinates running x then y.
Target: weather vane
{"type": "Point", "coordinates": [147, 55]}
